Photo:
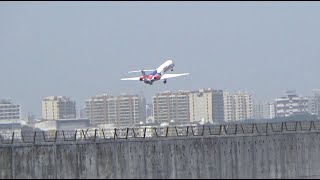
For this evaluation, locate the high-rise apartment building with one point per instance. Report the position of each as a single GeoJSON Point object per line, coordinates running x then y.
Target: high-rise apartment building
{"type": "Point", "coordinates": [238, 106]}
{"type": "Point", "coordinates": [206, 105]}
{"type": "Point", "coordinates": [272, 113]}
{"type": "Point", "coordinates": [122, 111]}
{"type": "Point", "coordinates": [149, 110]}
{"type": "Point", "coordinates": [218, 106]}
{"type": "Point", "coordinates": [171, 106]}
{"type": "Point", "coordinates": [9, 112]}
{"type": "Point", "coordinates": [263, 110]}
{"type": "Point", "coordinates": [314, 103]}
{"type": "Point", "coordinates": [244, 106]}
{"type": "Point", "coordinates": [259, 110]}
{"type": "Point", "coordinates": [290, 104]}
{"type": "Point", "coordinates": [58, 107]}
{"type": "Point", "coordinates": [229, 106]}
{"type": "Point", "coordinates": [96, 109]}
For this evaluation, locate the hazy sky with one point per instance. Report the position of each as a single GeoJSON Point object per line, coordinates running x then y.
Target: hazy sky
{"type": "Point", "coordinates": [81, 49]}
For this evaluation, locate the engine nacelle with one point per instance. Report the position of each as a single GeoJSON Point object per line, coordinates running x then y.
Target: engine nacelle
{"type": "Point", "coordinates": [141, 78]}
{"type": "Point", "coordinates": [150, 77]}
{"type": "Point", "coordinates": [157, 77]}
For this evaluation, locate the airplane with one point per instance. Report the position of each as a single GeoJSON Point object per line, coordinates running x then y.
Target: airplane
{"type": "Point", "coordinates": [156, 74]}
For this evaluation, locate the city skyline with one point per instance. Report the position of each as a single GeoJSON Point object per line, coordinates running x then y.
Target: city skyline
{"type": "Point", "coordinates": [226, 93]}
{"type": "Point", "coordinates": [80, 49]}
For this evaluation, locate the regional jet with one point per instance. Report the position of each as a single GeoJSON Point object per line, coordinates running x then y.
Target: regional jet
{"type": "Point", "coordinates": [156, 74]}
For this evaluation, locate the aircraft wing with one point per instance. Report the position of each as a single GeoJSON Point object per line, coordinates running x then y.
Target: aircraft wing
{"type": "Point", "coordinates": [133, 78]}
{"type": "Point", "coordinates": [167, 76]}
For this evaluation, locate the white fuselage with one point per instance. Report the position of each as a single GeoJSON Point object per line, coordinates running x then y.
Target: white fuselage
{"type": "Point", "coordinates": [160, 71]}
{"type": "Point", "coordinates": [165, 67]}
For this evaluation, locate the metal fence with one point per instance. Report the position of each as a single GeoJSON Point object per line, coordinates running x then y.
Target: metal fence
{"type": "Point", "coordinates": [156, 132]}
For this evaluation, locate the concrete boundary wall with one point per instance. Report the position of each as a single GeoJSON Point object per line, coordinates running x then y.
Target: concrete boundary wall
{"type": "Point", "coordinates": [287, 155]}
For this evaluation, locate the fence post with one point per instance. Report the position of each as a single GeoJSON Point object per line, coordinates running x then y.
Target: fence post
{"type": "Point", "coordinates": [12, 138]}
{"type": "Point", "coordinates": [187, 130]}
{"type": "Point", "coordinates": [310, 125]}
{"type": "Point", "coordinates": [175, 127]}
{"type": "Point", "coordinates": [242, 129]}
{"type": "Point", "coordinates": [64, 138]}
{"type": "Point", "coordinates": [134, 132]}
{"type": "Point", "coordinates": [104, 137]}
{"type": "Point", "coordinates": [44, 138]}
{"type": "Point", "coordinates": [21, 138]}
{"type": "Point", "coordinates": [255, 124]}
{"type": "Point", "coordinates": [127, 133]}
{"type": "Point", "coordinates": [267, 128]}
{"type": "Point", "coordinates": [155, 130]}
{"type": "Point", "coordinates": [84, 136]}
{"type": "Point", "coordinates": [202, 131]}
{"type": "Point", "coordinates": [55, 137]}
{"type": "Point", "coordinates": [75, 135]}
{"type": "Point", "coordinates": [252, 128]}
{"type": "Point", "coordinates": [34, 137]}
{"type": "Point", "coordinates": [286, 126]}
{"type": "Point", "coordinates": [225, 130]}
{"type": "Point", "coordinates": [115, 133]}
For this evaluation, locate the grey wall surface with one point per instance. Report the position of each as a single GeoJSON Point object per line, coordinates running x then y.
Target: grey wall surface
{"type": "Point", "coordinates": [286, 155]}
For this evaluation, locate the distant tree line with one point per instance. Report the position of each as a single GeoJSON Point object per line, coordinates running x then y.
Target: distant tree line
{"type": "Point", "coordinates": [296, 117]}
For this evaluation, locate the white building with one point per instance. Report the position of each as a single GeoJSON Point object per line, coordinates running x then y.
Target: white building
{"type": "Point", "coordinates": [272, 113]}
{"type": "Point", "coordinates": [314, 103]}
{"type": "Point", "coordinates": [206, 105]}
{"type": "Point", "coordinates": [238, 106]}
{"type": "Point", "coordinates": [63, 124]}
{"type": "Point", "coordinates": [263, 110]}
{"type": "Point", "coordinates": [229, 106]}
{"type": "Point", "coordinates": [122, 111]}
{"type": "Point", "coordinates": [10, 119]}
{"type": "Point", "coordinates": [96, 109]}
{"type": "Point", "coordinates": [58, 107]}
{"type": "Point", "coordinates": [171, 107]}
{"type": "Point", "coordinates": [290, 105]}
{"type": "Point", "coordinates": [9, 112]}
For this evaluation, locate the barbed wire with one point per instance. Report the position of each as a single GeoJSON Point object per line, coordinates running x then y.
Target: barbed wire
{"type": "Point", "coordinates": [18, 136]}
